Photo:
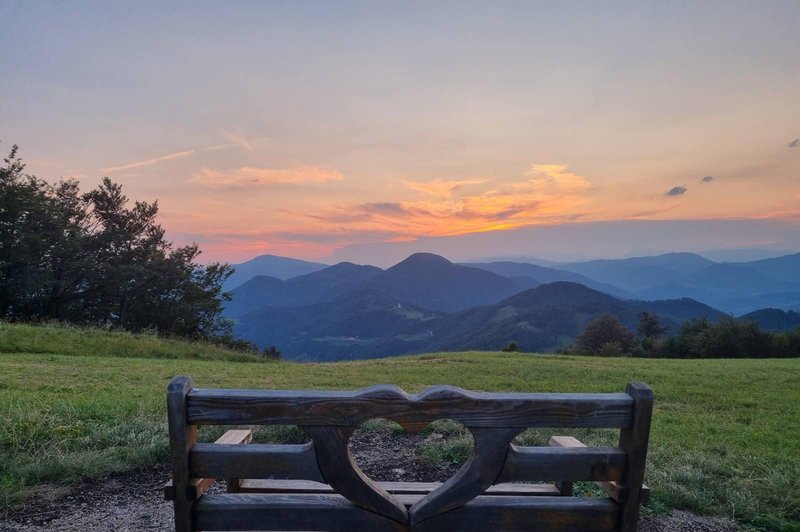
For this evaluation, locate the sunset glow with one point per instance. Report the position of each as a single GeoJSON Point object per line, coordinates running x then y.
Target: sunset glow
{"type": "Point", "coordinates": [428, 121]}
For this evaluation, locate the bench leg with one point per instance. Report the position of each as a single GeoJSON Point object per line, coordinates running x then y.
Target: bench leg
{"type": "Point", "coordinates": [181, 439]}
{"type": "Point", "coordinates": [633, 440]}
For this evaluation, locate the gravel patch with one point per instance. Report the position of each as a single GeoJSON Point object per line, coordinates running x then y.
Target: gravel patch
{"type": "Point", "coordinates": [134, 501]}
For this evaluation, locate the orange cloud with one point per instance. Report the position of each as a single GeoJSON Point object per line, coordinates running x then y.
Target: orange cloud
{"type": "Point", "coordinates": [148, 162]}
{"type": "Point", "coordinates": [247, 176]}
{"type": "Point", "coordinates": [440, 188]}
{"type": "Point", "coordinates": [549, 194]}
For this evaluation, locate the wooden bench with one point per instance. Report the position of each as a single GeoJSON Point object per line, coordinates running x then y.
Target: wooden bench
{"type": "Point", "coordinates": [317, 486]}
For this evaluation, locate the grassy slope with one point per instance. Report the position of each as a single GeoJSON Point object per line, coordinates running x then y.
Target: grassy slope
{"type": "Point", "coordinates": [724, 437]}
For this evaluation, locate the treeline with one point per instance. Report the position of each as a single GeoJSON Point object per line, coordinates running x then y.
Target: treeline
{"type": "Point", "coordinates": [700, 338]}
{"type": "Point", "coordinates": [91, 258]}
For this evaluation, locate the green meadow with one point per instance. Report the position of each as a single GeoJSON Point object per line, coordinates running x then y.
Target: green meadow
{"type": "Point", "coordinates": [78, 404]}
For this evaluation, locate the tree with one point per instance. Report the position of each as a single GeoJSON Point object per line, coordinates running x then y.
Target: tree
{"type": "Point", "coordinates": [511, 347]}
{"type": "Point", "coordinates": [271, 352]}
{"type": "Point", "coordinates": [649, 326]}
{"type": "Point", "coordinates": [93, 259]}
{"type": "Point", "coordinates": [603, 330]}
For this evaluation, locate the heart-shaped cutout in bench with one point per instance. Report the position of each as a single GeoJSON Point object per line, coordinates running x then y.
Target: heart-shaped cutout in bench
{"type": "Point", "coordinates": [342, 473]}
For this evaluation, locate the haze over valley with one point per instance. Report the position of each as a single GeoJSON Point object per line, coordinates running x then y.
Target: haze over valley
{"type": "Point", "coordinates": [313, 311]}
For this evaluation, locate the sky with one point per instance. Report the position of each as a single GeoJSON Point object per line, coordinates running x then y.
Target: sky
{"type": "Point", "coordinates": [365, 130]}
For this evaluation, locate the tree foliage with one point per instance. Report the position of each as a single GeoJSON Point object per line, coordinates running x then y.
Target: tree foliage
{"type": "Point", "coordinates": [605, 334]}
{"type": "Point", "coordinates": [511, 347]}
{"type": "Point", "coordinates": [93, 258]}
{"type": "Point", "coordinates": [729, 338]}
{"type": "Point", "coordinates": [649, 325]}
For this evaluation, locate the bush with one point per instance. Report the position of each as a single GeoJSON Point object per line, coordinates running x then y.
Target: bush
{"type": "Point", "coordinates": [603, 330]}
{"type": "Point", "coordinates": [511, 347]}
{"type": "Point", "coordinates": [611, 349]}
{"type": "Point", "coordinates": [271, 352]}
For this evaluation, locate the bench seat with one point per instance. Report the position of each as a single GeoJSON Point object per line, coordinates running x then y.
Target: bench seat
{"type": "Point", "coordinates": [331, 512]}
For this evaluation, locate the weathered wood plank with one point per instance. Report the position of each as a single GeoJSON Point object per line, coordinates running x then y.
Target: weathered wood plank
{"type": "Point", "coordinates": [255, 460]}
{"type": "Point", "coordinates": [244, 511]}
{"type": "Point", "coordinates": [633, 440]}
{"type": "Point", "coordinates": [343, 475]}
{"type": "Point", "coordinates": [613, 489]}
{"type": "Point", "coordinates": [253, 407]}
{"type": "Point", "coordinates": [235, 437]}
{"type": "Point", "coordinates": [181, 438]}
{"type": "Point", "coordinates": [198, 486]}
{"type": "Point", "coordinates": [478, 473]}
{"type": "Point", "coordinates": [335, 513]}
{"type": "Point", "coordinates": [568, 463]}
{"type": "Point", "coordinates": [395, 488]}
{"type": "Point", "coordinates": [524, 514]}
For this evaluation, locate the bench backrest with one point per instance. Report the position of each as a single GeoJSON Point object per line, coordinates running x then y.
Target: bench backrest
{"type": "Point", "coordinates": [494, 419]}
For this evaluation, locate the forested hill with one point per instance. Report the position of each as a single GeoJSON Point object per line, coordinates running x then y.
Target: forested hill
{"type": "Point", "coordinates": [368, 322]}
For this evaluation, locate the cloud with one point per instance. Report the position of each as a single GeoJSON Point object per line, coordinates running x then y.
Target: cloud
{"type": "Point", "coordinates": [440, 188]}
{"type": "Point", "coordinates": [556, 175]}
{"type": "Point", "coordinates": [707, 179]}
{"type": "Point", "coordinates": [676, 191]}
{"type": "Point", "coordinates": [795, 143]}
{"type": "Point", "coordinates": [216, 147]}
{"type": "Point", "coordinates": [546, 194]}
{"type": "Point", "coordinates": [148, 162]}
{"type": "Point", "coordinates": [239, 140]}
{"type": "Point", "coordinates": [249, 177]}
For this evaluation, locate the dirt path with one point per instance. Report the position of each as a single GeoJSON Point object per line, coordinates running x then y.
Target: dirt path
{"type": "Point", "coordinates": [134, 501]}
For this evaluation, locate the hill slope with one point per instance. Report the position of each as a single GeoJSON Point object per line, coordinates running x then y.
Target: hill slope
{"type": "Point", "coordinates": [546, 275]}
{"type": "Point", "coordinates": [316, 287]}
{"type": "Point", "coordinates": [72, 417]}
{"type": "Point", "coordinates": [638, 273]}
{"type": "Point", "coordinates": [733, 287]}
{"type": "Point", "coordinates": [433, 282]}
{"type": "Point", "coordinates": [272, 266]}
{"type": "Point", "coordinates": [541, 318]}
{"type": "Point", "coordinates": [772, 319]}
{"type": "Point", "coordinates": [786, 268]}
{"type": "Point", "coordinates": [421, 280]}
{"type": "Point", "coordinates": [371, 322]}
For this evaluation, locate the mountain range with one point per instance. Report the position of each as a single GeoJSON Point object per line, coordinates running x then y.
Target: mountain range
{"type": "Point", "coordinates": [427, 303]}
{"type": "Point", "coordinates": [272, 265]}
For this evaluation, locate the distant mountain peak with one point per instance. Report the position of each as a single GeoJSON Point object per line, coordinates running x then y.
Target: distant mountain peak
{"type": "Point", "coordinates": [424, 259]}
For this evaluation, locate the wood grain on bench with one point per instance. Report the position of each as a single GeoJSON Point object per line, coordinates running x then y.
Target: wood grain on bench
{"type": "Point", "coordinates": [318, 486]}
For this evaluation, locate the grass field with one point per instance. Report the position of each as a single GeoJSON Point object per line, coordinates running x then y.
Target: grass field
{"type": "Point", "coordinates": [76, 404]}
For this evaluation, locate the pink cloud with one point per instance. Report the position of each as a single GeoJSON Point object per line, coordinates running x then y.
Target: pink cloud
{"type": "Point", "coordinates": [148, 162]}
{"type": "Point", "coordinates": [248, 176]}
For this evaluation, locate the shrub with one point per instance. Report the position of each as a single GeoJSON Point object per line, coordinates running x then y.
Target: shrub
{"type": "Point", "coordinates": [271, 352]}
{"type": "Point", "coordinates": [511, 347]}
{"type": "Point", "coordinates": [605, 329]}
{"type": "Point", "coordinates": [611, 349]}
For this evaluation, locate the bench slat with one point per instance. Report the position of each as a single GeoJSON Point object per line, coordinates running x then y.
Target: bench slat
{"type": "Point", "coordinates": [566, 463]}
{"type": "Point", "coordinates": [562, 514]}
{"type": "Point", "coordinates": [246, 511]}
{"type": "Point", "coordinates": [243, 511]}
{"type": "Point", "coordinates": [396, 488]}
{"type": "Point", "coordinates": [613, 489]}
{"type": "Point", "coordinates": [255, 460]}
{"type": "Point", "coordinates": [198, 485]}
{"type": "Point", "coordinates": [289, 407]}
